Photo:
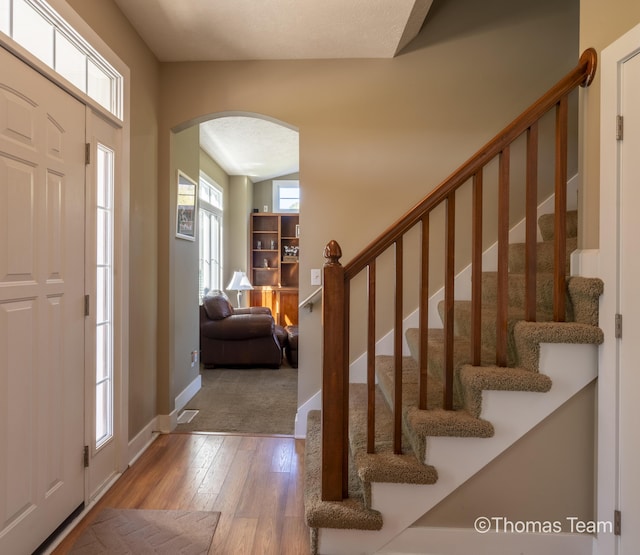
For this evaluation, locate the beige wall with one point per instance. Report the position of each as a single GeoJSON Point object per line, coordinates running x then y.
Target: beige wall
{"type": "Point", "coordinates": [376, 135]}
{"type": "Point", "coordinates": [107, 21]}
{"type": "Point", "coordinates": [600, 24]}
{"type": "Point", "coordinates": [183, 299]}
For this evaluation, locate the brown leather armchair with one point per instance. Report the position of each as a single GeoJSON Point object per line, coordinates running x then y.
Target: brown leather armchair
{"type": "Point", "coordinates": [233, 337]}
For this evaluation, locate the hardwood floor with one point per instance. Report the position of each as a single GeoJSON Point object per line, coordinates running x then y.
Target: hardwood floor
{"type": "Point", "coordinates": [255, 482]}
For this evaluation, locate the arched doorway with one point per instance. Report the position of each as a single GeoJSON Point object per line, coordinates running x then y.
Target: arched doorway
{"type": "Point", "coordinates": [241, 162]}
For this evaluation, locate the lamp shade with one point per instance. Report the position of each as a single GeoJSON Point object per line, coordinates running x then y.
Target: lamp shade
{"type": "Point", "coordinates": [239, 282]}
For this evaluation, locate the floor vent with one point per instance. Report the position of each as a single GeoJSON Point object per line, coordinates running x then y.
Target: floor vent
{"type": "Point", "coordinates": [187, 416]}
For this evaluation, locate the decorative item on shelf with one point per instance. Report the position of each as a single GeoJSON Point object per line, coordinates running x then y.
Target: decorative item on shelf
{"type": "Point", "coordinates": [259, 245]}
{"type": "Point", "coordinates": [274, 245]}
{"type": "Point", "coordinates": [297, 230]}
{"type": "Point", "coordinates": [239, 282]}
{"type": "Point", "coordinates": [290, 253]}
{"type": "Point", "coordinates": [265, 263]}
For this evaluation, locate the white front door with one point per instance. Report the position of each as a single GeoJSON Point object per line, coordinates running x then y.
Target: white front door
{"type": "Point", "coordinates": [42, 214]}
{"type": "Point", "coordinates": [629, 303]}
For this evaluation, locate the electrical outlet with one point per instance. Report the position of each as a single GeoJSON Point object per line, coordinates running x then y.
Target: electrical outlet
{"type": "Point", "coordinates": [316, 277]}
{"type": "Point", "coordinates": [194, 358]}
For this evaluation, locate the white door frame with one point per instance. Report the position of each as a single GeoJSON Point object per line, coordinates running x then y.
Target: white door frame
{"type": "Point", "coordinates": [121, 336]}
{"type": "Point", "coordinates": [608, 484]}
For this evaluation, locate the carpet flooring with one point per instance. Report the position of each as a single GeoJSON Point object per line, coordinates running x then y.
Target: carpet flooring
{"type": "Point", "coordinates": [141, 532]}
{"type": "Point", "coordinates": [259, 401]}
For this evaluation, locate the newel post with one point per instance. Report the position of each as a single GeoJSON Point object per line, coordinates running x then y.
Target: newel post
{"type": "Point", "coordinates": [334, 437]}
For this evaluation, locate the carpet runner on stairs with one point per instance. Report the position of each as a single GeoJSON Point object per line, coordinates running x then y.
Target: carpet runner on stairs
{"type": "Point", "coordinates": [524, 340]}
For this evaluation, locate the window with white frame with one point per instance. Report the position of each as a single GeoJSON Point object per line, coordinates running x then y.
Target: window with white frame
{"type": "Point", "coordinates": [38, 28]}
{"type": "Point", "coordinates": [286, 195]}
{"type": "Point", "coordinates": [105, 182]}
{"type": "Point", "coordinates": [210, 236]}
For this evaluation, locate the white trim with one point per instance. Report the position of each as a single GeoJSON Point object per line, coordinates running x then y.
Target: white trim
{"type": "Point", "coordinates": [584, 262]}
{"type": "Point", "coordinates": [139, 444]}
{"type": "Point", "coordinates": [166, 423]}
{"type": "Point", "coordinates": [314, 403]}
{"type": "Point", "coordinates": [607, 474]}
{"type": "Point", "coordinates": [188, 393]}
{"type": "Point", "coordinates": [464, 541]}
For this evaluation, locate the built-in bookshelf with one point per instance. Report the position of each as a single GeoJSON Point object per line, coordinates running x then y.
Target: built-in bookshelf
{"type": "Point", "coordinates": [274, 274]}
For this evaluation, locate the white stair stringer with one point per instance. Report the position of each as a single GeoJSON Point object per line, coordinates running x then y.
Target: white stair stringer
{"type": "Point", "coordinates": [571, 367]}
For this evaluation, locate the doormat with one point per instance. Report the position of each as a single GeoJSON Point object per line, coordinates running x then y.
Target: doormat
{"type": "Point", "coordinates": [187, 416]}
{"type": "Point", "coordinates": [137, 532]}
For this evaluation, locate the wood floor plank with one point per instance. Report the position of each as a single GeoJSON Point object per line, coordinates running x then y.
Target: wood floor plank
{"type": "Point", "coordinates": [295, 492]}
{"type": "Point", "coordinates": [220, 465]}
{"type": "Point", "coordinates": [282, 455]}
{"type": "Point", "coordinates": [239, 540]}
{"type": "Point", "coordinates": [236, 475]}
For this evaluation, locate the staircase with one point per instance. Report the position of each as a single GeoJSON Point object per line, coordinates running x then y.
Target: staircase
{"type": "Point", "coordinates": [382, 454]}
{"type": "Point", "coordinates": [415, 473]}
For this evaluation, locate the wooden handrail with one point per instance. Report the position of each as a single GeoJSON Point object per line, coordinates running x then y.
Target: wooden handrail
{"type": "Point", "coordinates": [337, 279]}
{"type": "Point", "coordinates": [582, 75]}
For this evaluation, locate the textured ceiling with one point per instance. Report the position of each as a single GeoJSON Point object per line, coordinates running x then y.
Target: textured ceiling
{"type": "Point", "coordinates": [200, 30]}
{"type": "Point", "coordinates": [194, 30]}
{"type": "Point", "coordinates": [250, 146]}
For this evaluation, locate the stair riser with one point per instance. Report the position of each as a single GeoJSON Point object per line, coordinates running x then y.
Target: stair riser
{"type": "Point", "coordinates": [546, 224]}
{"type": "Point", "coordinates": [516, 291]}
{"type": "Point", "coordinates": [545, 256]}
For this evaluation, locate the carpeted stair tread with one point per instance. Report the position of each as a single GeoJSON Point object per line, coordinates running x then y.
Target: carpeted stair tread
{"type": "Point", "coordinates": [350, 513]}
{"type": "Point", "coordinates": [383, 465]}
{"type": "Point", "coordinates": [545, 257]}
{"type": "Point", "coordinates": [475, 379]}
{"type": "Point", "coordinates": [419, 424]}
{"type": "Point", "coordinates": [529, 335]}
{"type": "Point", "coordinates": [546, 224]}
{"type": "Point", "coordinates": [585, 298]}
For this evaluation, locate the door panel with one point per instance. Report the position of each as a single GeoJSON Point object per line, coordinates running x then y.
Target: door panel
{"type": "Point", "coordinates": [630, 307]}
{"type": "Point", "coordinates": [41, 306]}
{"type": "Point", "coordinates": [100, 329]}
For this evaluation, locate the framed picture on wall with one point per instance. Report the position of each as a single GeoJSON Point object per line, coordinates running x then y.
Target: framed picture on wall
{"type": "Point", "coordinates": [186, 208]}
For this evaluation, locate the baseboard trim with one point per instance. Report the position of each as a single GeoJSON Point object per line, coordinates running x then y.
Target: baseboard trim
{"type": "Point", "coordinates": [463, 541]}
{"type": "Point", "coordinates": [188, 393]}
{"type": "Point", "coordinates": [166, 423]}
{"type": "Point", "coordinates": [314, 403]}
{"type": "Point", "coordinates": [142, 441]}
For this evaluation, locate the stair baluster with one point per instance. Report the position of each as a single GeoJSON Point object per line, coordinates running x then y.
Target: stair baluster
{"type": "Point", "coordinates": [531, 233]}
{"type": "Point", "coordinates": [424, 313]}
{"type": "Point", "coordinates": [560, 237]}
{"type": "Point", "coordinates": [371, 359]}
{"type": "Point", "coordinates": [476, 270]}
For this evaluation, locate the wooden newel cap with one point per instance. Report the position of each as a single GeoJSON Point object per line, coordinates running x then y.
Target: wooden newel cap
{"type": "Point", "coordinates": [589, 57]}
{"type": "Point", "coordinates": [332, 253]}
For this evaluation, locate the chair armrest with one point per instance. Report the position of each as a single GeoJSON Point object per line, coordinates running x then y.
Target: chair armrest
{"type": "Point", "coordinates": [239, 326]}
